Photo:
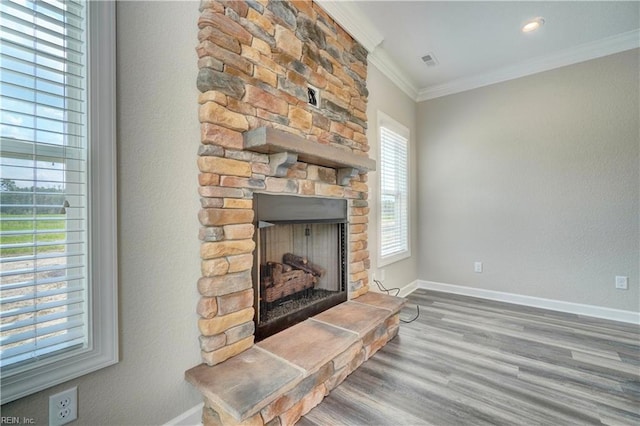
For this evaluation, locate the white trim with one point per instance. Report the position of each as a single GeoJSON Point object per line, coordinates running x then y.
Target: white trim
{"type": "Point", "coordinates": [384, 120]}
{"type": "Point", "coordinates": [536, 302]}
{"type": "Point", "coordinates": [408, 289]}
{"type": "Point", "coordinates": [191, 417]}
{"type": "Point", "coordinates": [103, 166]}
{"type": "Point", "coordinates": [391, 259]}
{"type": "Point", "coordinates": [347, 15]}
{"type": "Point", "coordinates": [387, 66]}
{"type": "Point", "coordinates": [584, 52]}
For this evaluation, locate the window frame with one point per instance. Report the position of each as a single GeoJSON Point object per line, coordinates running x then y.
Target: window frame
{"type": "Point", "coordinates": [102, 349]}
{"type": "Point", "coordinates": [384, 120]}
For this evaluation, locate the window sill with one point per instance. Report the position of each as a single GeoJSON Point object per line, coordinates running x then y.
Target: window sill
{"type": "Point", "coordinates": [388, 260]}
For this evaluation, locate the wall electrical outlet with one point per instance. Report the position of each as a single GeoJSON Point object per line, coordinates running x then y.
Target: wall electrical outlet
{"type": "Point", "coordinates": [313, 94]}
{"type": "Point", "coordinates": [63, 407]}
{"type": "Point", "coordinates": [622, 283]}
{"type": "Point", "coordinates": [477, 267]}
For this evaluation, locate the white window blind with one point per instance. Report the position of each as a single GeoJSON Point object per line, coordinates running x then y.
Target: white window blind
{"type": "Point", "coordinates": [394, 216]}
{"type": "Point", "coordinates": [43, 201]}
{"type": "Point", "coordinates": [58, 268]}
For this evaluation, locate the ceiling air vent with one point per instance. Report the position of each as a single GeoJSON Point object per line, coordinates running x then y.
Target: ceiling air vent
{"type": "Point", "coordinates": [430, 60]}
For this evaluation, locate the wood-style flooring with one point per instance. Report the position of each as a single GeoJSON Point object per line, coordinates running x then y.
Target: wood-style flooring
{"type": "Point", "coordinates": [469, 361]}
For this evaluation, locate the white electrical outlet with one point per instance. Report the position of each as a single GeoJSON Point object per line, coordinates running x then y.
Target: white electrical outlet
{"type": "Point", "coordinates": [63, 407]}
{"type": "Point", "coordinates": [622, 283]}
{"type": "Point", "coordinates": [381, 275]}
{"type": "Point", "coordinates": [477, 267]}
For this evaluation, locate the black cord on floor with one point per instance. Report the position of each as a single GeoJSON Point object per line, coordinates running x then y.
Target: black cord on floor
{"type": "Point", "coordinates": [381, 287]}
{"type": "Point", "coordinates": [414, 318]}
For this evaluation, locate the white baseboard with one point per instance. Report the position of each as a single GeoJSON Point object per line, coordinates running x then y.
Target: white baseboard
{"type": "Point", "coordinates": [408, 289]}
{"type": "Point", "coordinates": [537, 302]}
{"type": "Point", "coordinates": [191, 417]}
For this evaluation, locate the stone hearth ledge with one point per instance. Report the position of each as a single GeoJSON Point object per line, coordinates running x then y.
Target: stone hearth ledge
{"type": "Point", "coordinates": [283, 377]}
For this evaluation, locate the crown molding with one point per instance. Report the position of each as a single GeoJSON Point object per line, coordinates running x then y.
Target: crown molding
{"type": "Point", "coordinates": [348, 15]}
{"type": "Point", "coordinates": [584, 52]}
{"type": "Point", "coordinates": [381, 60]}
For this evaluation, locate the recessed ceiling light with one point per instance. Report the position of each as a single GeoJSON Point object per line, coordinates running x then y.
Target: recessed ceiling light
{"type": "Point", "coordinates": [532, 25]}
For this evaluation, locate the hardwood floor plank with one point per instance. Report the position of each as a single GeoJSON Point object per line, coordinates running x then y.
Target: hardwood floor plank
{"type": "Point", "coordinates": [530, 336]}
{"type": "Point", "coordinates": [614, 364]}
{"type": "Point", "coordinates": [613, 416]}
{"type": "Point", "coordinates": [531, 405]}
{"type": "Point", "coordinates": [468, 361]}
{"type": "Point", "coordinates": [587, 393]}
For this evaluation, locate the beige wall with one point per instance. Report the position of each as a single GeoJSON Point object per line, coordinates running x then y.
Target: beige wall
{"type": "Point", "coordinates": [158, 137]}
{"type": "Point", "coordinates": [538, 179]}
{"type": "Point", "coordinates": [385, 96]}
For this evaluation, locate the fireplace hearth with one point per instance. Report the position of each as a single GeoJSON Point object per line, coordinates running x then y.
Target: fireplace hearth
{"type": "Point", "coordinates": [301, 259]}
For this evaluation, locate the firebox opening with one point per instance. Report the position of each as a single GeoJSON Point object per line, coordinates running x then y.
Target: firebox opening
{"type": "Point", "coordinates": [300, 262]}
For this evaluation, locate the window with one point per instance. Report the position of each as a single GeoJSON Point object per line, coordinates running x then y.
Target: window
{"type": "Point", "coordinates": [57, 194]}
{"type": "Point", "coordinates": [394, 191]}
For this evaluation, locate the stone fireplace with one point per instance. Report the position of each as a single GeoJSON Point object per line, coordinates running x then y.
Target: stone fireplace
{"type": "Point", "coordinates": [265, 135]}
{"type": "Point", "coordinates": [260, 135]}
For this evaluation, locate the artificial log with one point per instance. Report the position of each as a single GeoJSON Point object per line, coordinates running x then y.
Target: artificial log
{"type": "Point", "coordinates": [281, 284]}
{"type": "Point", "coordinates": [295, 274]}
{"type": "Point", "coordinates": [302, 263]}
{"type": "Point", "coordinates": [279, 275]}
{"type": "Point", "coordinates": [268, 271]}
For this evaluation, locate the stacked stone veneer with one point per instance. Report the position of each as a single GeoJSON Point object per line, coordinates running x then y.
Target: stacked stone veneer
{"type": "Point", "coordinates": [256, 60]}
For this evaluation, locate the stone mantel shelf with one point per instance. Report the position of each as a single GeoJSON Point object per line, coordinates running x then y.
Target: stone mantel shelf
{"type": "Point", "coordinates": [287, 148]}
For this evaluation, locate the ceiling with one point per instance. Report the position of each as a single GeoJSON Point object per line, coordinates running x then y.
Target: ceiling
{"type": "Point", "coordinates": [478, 43]}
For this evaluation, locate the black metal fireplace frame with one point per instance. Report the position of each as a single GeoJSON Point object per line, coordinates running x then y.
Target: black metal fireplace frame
{"type": "Point", "coordinates": [288, 209]}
